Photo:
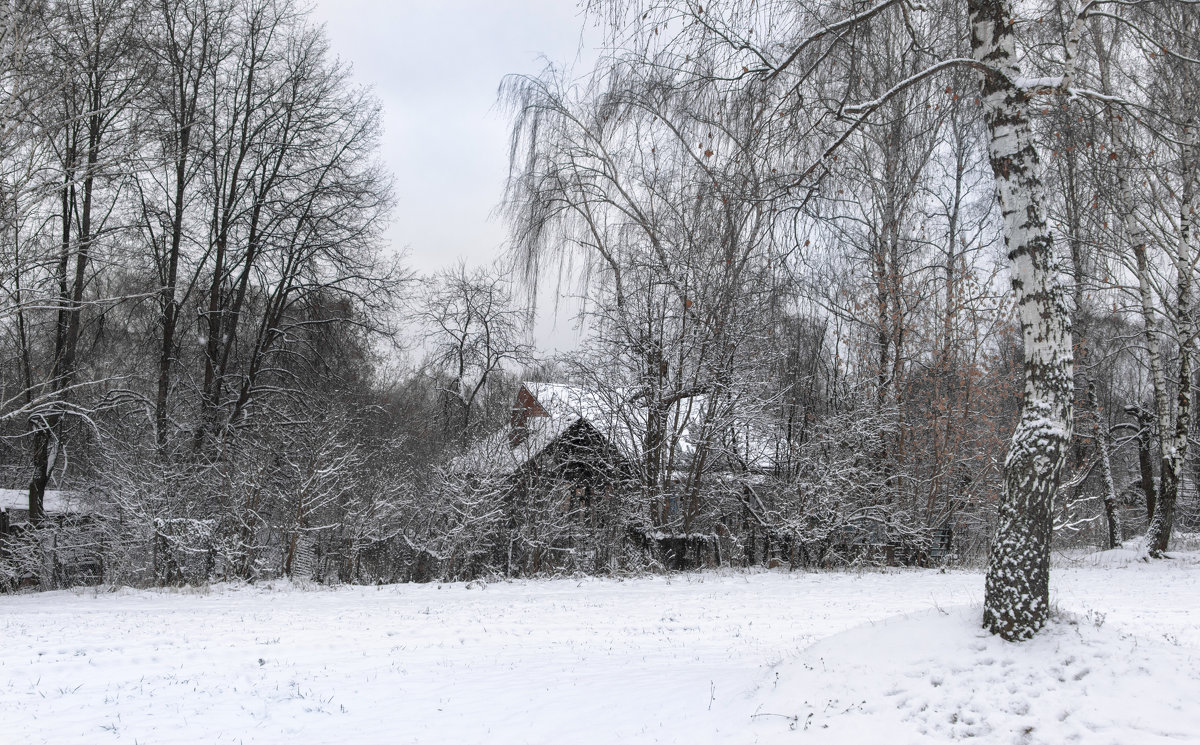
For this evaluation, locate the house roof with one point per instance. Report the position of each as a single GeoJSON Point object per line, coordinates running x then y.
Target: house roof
{"type": "Point", "coordinates": [53, 501]}
{"type": "Point", "coordinates": [614, 413]}
{"type": "Point", "coordinates": [565, 405]}
{"type": "Point", "coordinates": [554, 408]}
{"type": "Point", "coordinates": [558, 408]}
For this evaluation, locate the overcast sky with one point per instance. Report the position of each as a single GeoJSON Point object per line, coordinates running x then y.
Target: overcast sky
{"type": "Point", "coordinates": [436, 66]}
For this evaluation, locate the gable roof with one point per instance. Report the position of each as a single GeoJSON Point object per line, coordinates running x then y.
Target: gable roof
{"type": "Point", "coordinates": [544, 412]}
{"type": "Point", "coordinates": [614, 413]}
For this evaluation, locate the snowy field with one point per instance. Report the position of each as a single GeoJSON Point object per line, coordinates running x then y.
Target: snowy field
{"type": "Point", "coordinates": [769, 657]}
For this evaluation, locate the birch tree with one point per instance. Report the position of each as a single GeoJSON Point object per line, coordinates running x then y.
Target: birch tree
{"type": "Point", "coordinates": [1177, 78]}
{"type": "Point", "coordinates": [660, 192]}
{"type": "Point", "coordinates": [1149, 66]}
{"type": "Point", "coordinates": [1017, 599]}
{"type": "Point", "coordinates": [826, 107]}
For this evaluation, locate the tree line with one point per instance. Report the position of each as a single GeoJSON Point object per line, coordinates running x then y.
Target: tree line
{"type": "Point", "coordinates": [855, 277]}
{"type": "Point", "coordinates": [808, 210]}
{"type": "Point", "coordinates": [192, 270]}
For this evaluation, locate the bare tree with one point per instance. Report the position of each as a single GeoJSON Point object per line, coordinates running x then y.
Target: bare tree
{"type": "Point", "coordinates": [474, 326]}
{"type": "Point", "coordinates": [1147, 181]}
{"type": "Point", "coordinates": [661, 193]}
{"type": "Point", "coordinates": [825, 107]}
{"type": "Point", "coordinates": [189, 45]}
{"type": "Point", "coordinates": [95, 47]}
{"type": "Point", "coordinates": [188, 154]}
{"type": "Point", "coordinates": [297, 209]}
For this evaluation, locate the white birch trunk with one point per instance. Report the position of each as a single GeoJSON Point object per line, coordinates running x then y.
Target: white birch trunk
{"type": "Point", "coordinates": [1174, 446]}
{"type": "Point", "coordinates": [1173, 426]}
{"type": "Point", "coordinates": [1152, 329]}
{"type": "Point", "coordinates": [1103, 436]}
{"type": "Point", "coordinates": [1017, 590]}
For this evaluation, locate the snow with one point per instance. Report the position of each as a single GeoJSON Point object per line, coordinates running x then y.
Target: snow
{"type": "Point", "coordinates": [714, 657]}
{"type": "Point", "coordinates": [53, 501]}
{"type": "Point", "coordinates": [1076, 681]}
{"type": "Point", "coordinates": [1038, 84]}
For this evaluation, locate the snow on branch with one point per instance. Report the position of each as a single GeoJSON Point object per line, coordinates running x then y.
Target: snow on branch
{"type": "Point", "coordinates": [833, 28]}
{"type": "Point", "coordinates": [860, 112]}
{"type": "Point", "coordinates": [865, 108]}
{"type": "Point", "coordinates": [1162, 47]}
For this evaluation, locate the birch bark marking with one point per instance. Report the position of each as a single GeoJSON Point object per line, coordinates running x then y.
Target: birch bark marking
{"type": "Point", "coordinates": [1103, 438]}
{"type": "Point", "coordinates": [1017, 589]}
{"type": "Point", "coordinates": [1174, 450]}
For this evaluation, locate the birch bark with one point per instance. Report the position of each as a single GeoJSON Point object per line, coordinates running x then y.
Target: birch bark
{"type": "Point", "coordinates": [1174, 423]}
{"type": "Point", "coordinates": [1174, 447]}
{"type": "Point", "coordinates": [1103, 438]}
{"type": "Point", "coordinates": [1017, 589]}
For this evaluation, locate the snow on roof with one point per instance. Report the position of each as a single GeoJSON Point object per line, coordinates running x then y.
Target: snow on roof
{"type": "Point", "coordinates": [568, 401]}
{"type": "Point", "coordinates": [567, 404]}
{"type": "Point", "coordinates": [53, 501]}
{"type": "Point", "coordinates": [616, 413]}
{"type": "Point", "coordinates": [564, 406]}
{"type": "Point", "coordinates": [497, 456]}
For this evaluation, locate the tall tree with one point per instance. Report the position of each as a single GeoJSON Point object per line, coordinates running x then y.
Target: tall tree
{"type": "Point", "coordinates": [96, 49]}
{"type": "Point", "coordinates": [189, 43]}
{"type": "Point", "coordinates": [1017, 599]}
{"type": "Point", "coordinates": [799, 60]}
{"type": "Point", "coordinates": [297, 204]}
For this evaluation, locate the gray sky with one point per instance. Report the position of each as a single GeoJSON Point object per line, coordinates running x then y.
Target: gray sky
{"type": "Point", "coordinates": [435, 66]}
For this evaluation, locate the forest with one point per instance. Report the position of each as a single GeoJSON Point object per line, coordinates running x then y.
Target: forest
{"type": "Point", "coordinates": [857, 282]}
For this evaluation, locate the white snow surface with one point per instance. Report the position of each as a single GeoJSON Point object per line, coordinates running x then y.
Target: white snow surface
{"type": "Point", "coordinates": [53, 501]}
{"type": "Point", "coordinates": [715, 657]}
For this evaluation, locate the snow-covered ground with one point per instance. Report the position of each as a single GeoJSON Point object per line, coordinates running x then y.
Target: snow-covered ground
{"type": "Point", "coordinates": [771, 657]}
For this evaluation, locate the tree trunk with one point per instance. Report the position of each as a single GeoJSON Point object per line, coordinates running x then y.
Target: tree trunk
{"type": "Point", "coordinates": [1103, 446]}
{"type": "Point", "coordinates": [1174, 450]}
{"type": "Point", "coordinates": [70, 312]}
{"type": "Point", "coordinates": [1017, 590]}
{"type": "Point", "coordinates": [1145, 462]}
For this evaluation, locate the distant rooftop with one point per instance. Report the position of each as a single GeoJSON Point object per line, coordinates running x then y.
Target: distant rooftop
{"type": "Point", "coordinates": [54, 501]}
